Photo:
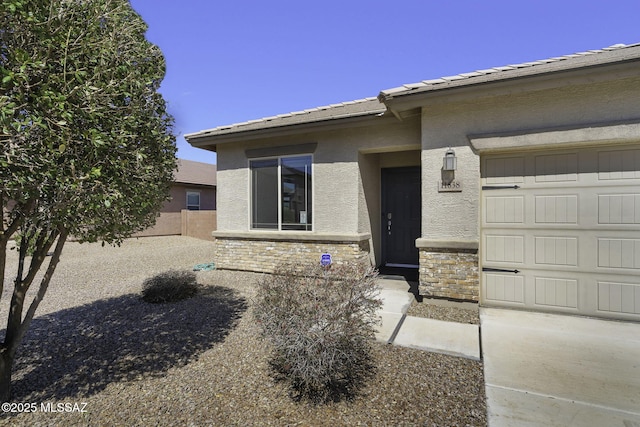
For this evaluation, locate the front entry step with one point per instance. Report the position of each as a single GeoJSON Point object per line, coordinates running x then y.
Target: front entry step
{"type": "Point", "coordinates": [456, 339]}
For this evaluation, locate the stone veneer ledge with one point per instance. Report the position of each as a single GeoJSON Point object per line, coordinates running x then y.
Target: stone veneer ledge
{"type": "Point", "coordinates": [260, 253]}
{"type": "Point", "coordinates": [291, 236]}
{"type": "Point", "coordinates": [448, 269]}
{"type": "Point", "coordinates": [449, 273]}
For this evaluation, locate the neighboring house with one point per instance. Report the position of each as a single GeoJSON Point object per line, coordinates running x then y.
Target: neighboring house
{"type": "Point", "coordinates": [515, 186]}
{"type": "Point", "coordinates": [194, 189]}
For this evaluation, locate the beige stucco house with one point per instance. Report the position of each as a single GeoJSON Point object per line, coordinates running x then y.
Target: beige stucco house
{"type": "Point", "coordinates": [365, 179]}
{"type": "Point", "coordinates": [515, 186]}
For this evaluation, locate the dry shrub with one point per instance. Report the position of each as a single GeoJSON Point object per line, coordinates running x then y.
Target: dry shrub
{"type": "Point", "coordinates": [170, 286]}
{"type": "Point", "coordinates": [321, 324]}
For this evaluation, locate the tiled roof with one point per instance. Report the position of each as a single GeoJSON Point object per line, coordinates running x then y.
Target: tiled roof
{"type": "Point", "coordinates": [190, 172]}
{"type": "Point", "coordinates": [376, 106]}
{"type": "Point", "coordinates": [360, 107]}
{"type": "Point", "coordinates": [575, 60]}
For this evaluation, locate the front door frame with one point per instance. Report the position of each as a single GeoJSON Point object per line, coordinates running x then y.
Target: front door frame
{"type": "Point", "coordinates": [409, 259]}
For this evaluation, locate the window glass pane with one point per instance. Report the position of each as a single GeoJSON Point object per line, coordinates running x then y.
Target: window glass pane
{"type": "Point", "coordinates": [296, 193]}
{"type": "Point", "coordinates": [193, 200]}
{"type": "Point", "coordinates": [264, 193]}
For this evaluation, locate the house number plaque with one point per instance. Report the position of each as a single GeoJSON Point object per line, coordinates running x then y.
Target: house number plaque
{"type": "Point", "coordinates": [454, 186]}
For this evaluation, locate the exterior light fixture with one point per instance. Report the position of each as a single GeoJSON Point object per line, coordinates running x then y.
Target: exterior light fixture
{"type": "Point", "coordinates": [449, 183]}
{"type": "Point", "coordinates": [449, 162]}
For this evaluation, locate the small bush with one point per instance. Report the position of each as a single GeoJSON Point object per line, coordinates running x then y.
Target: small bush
{"type": "Point", "coordinates": [321, 325]}
{"type": "Point", "coordinates": [170, 286]}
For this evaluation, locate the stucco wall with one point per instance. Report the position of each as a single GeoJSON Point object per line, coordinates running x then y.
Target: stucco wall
{"type": "Point", "coordinates": [340, 205]}
{"type": "Point", "coordinates": [448, 121]}
{"type": "Point", "coordinates": [199, 224]}
{"type": "Point", "coordinates": [178, 195]}
{"type": "Point", "coordinates": [450, 215]}
{"type": "Point", "coordinates": [233, 188]}
{"type": "Point", "coordinates": [167, 224]}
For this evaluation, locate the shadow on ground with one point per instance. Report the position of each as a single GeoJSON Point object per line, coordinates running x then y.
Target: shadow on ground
{"type": "Point", "coordinates": [79, 351]}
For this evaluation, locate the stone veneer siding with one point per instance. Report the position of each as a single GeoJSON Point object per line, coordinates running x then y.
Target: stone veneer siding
{"type": "Point", "coordinates": [449, 273]}
{"type": "Point", "coordinates": [261, 255]}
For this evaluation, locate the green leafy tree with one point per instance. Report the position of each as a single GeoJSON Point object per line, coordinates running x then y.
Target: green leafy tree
{"type": "Point", "coordinates": [87, 143]}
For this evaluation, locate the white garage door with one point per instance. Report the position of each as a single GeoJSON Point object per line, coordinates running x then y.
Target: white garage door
{"type": "Point", "coordinates": [561, 231]}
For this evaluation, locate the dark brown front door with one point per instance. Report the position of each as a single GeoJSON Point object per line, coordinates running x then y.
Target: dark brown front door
{"type": "Point", "coordinates": [401, 216]}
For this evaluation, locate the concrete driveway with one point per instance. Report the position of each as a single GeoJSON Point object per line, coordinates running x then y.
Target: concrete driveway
{"type": "Point", "coordinates": [557, 370]}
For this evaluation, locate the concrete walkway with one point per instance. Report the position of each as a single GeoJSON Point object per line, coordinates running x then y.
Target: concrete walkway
{"type": "Point", "coordinates": [456, 339]}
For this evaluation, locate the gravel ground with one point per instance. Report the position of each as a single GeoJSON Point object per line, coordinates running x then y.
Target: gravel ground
{"type": "Point", "coordinates": [122, 362]}
{"type": "Point", "coordinates": [445, 310]}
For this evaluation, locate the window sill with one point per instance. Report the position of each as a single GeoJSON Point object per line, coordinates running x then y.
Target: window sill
{"type": "Point", "coordinates": [423, 243]}
{"type": "Point", "coordinates": [291, 235]}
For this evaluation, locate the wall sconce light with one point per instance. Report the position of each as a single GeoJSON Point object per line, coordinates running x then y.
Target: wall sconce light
{"type": "Point", "coordinates": [449, 162]}
{"type": "Point", "coordinates": [449, 183]}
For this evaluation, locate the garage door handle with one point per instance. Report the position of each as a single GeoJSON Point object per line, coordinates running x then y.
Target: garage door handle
{"type": "Point", "coordinates": [500, 187]}
{"type": "Point", "coordinates": [500, 270]}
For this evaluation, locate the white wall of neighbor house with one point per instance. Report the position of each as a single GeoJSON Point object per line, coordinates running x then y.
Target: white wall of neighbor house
{"type": "Point", "coordinates": [449, 121]}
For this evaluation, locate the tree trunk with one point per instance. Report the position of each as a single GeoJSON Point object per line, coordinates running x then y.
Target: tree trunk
{"type": "Point", "coordinates": [6, 366]}
{"type": "Point", "coordinates": [17, 325]}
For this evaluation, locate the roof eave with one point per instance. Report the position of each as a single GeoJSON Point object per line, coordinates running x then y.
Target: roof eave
{"type": "Point", "coordinates": [210, 139]}
{"type": "Point", "coordinates": [399, 99]}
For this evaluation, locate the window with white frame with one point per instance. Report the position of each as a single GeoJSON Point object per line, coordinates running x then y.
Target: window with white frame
{"type": "Point", "coordinates": [281, 193]}
{"type": "Point", "coordinates": [193, 200]}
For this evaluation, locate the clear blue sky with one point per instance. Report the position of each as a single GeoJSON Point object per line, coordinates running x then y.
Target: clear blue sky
{"type": "Point", "coordinates": [232, 61]}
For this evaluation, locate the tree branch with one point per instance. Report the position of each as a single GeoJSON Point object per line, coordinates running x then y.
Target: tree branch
{"type": "Point", "coordinates": [17, 221]}
{"type": "Point", "coordinates": [44, 284]}
{"type": "Point", "coordinates": [21, 286]}
{"type": "Point", "coordinates": [42, 246]}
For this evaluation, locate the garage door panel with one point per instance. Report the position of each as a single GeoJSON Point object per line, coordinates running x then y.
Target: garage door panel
{"type": "Point", "coordinates": [500, 248]}
{"type": "Point", "coordinates": [568, 293]}
{"type": "Point", "coordinates": [504, 287]}
{"type": "Point", "coordinates": [553, 250]}
{"type": "Point", "coordinates": [619, 297]}
{"type": "Point", "coordinates": [556, 292]}
{"type": "Point", "coordinates": [556, 209]}
{"type": "Point", "coordinates": [506, 170]}
{"type": "Point", "coordinates": [619, 208]}
{"type": "Point", "coordinates": [619, 164]}
{"type": "Point", "coordinates": [504, 210]}
{"type": "Point", "coordinates": [619, 253]}
{"type": "Point", "coordinates": [569, 228]}
{"type": "Point", "coordinates": [556, 168]}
